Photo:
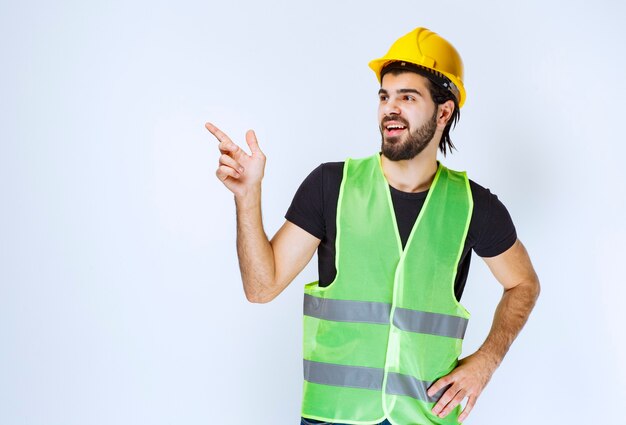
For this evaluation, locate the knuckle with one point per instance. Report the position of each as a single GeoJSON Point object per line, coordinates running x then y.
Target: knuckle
{"type": "Point", "coordinates": [436, 387]}
{"type": "Point", "coordinates": [224, 169]}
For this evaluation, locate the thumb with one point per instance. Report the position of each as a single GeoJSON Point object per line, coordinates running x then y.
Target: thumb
{"type": "Point", "coordinates": [252, 142]}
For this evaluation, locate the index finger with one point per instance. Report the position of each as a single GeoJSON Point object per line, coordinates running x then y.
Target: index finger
{"type": "Point", "coordinates": [226, 145]}
{"type": "Point", "coordinates": [439, 387]}
{"type": "Point", "coordinates": [219, 134]}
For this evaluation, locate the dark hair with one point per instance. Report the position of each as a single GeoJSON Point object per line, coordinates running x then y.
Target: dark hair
{"type": "Point", "coordinates": [439, 95]}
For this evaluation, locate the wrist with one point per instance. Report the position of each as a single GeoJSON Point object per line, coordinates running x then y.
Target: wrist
{"type": "Point", "coordinates": [489, 358]}
{"type": "Point", "coordinates": [248, 198]}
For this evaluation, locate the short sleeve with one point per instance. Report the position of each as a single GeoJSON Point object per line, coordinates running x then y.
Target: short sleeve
{"type": "Point", "coordinates": [306, 209]}
{"type": "Point", "coordinates": [496, 232]}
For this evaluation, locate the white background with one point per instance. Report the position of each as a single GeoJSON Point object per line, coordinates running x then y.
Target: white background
{"type": "Point", "coordinates": [120, 295]}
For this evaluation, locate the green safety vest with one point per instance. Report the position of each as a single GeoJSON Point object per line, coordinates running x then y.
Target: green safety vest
{"type": "Point", "coordinates": [389, 325]}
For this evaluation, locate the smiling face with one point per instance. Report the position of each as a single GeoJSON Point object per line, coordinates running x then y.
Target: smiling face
{"type": "Point", "coordinates": [407, 115]}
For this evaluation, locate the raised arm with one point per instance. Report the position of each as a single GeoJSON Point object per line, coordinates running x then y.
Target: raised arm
{"type": "Point", "coordinates": [267, 267]}
{"type": "Point", "coordinates": [515, 272]}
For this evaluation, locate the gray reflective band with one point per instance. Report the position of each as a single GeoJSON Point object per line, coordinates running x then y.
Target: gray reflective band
{"type": "Point", "coordinates": [378, 313]}
{"type": "Point", "coordinates": [409, 386]}
{"type": "Point", "coordinates": [346, 311]}
{"type": "Point", "coordinates": [369, 378]}
{"type": "Point", "coordinates": [343, 376]}
{"type": "Point", "coordinates": [430, 323]}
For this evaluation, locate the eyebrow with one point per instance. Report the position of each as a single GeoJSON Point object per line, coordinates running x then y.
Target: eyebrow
{"type": "Point", "coordinates": [383, 91]}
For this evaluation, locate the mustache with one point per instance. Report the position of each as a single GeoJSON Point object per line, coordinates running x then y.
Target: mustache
{"type": "Point", "coordinates": [396, 119]}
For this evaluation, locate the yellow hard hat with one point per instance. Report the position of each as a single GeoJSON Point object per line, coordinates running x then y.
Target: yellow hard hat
{"type": "Point", "coordinates": [426, 49]}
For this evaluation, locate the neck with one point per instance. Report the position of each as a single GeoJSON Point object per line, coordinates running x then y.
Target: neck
{"type": "Point", "coordinates": [411, 175]}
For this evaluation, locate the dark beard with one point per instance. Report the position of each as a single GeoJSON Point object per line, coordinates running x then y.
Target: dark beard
{"type": "Point", "coordinates": [415, 142]}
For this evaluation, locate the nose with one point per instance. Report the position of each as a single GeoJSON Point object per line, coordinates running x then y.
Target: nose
{"type": "Point", "coordinates": [390, 107]}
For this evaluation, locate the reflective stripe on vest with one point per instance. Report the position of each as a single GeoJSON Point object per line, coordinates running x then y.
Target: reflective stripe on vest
{"type": "Point", "coordinates": [375, 312]}
{"type": "Point", "coordinates": [389, 325]}
{"type": "Point", "coordinates": [369, 378]}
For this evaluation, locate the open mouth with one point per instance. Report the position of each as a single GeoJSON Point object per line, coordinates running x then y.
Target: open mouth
{"type": "Point", "coordinates": [394, 129]}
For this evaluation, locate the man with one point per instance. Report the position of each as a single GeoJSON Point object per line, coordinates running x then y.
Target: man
{"type": "Point", "coordinates": [383, 326]}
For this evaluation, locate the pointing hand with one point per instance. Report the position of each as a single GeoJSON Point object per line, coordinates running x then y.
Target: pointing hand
{"type": "Point", "coordinates": [239, 171]}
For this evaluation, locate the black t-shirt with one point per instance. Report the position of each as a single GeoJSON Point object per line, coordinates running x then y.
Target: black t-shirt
{"type": "Point", "coordinates": [314, 209]}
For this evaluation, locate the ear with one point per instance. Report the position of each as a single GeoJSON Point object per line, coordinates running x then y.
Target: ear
{"type": "Point", "coordinates": [444, 113]}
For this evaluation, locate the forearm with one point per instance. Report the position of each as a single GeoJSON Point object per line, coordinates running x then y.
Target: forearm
{"type": "Point", "coordinates": [256, 257]}
{"type": "Point", "coordinates": [511, 314]}
{"type": "Point", "coordinates": [473, 372]}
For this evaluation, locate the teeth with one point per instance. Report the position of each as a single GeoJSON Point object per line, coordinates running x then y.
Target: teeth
{"type": "Point", "coordinates": [395, 127]}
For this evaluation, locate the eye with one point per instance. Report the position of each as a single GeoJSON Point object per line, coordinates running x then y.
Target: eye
{"type": "Point", "coordinates": [383, 97]}
{"type": "Point", "coordinates": [409, 98]}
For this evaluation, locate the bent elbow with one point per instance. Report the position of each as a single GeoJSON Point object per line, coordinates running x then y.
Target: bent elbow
{"type": "Point", "coordinates": [259, 297]}
{"type": "Point", "coordinates": [537, 288]}
{"type": "Point", "coordinates": [258, 300]}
